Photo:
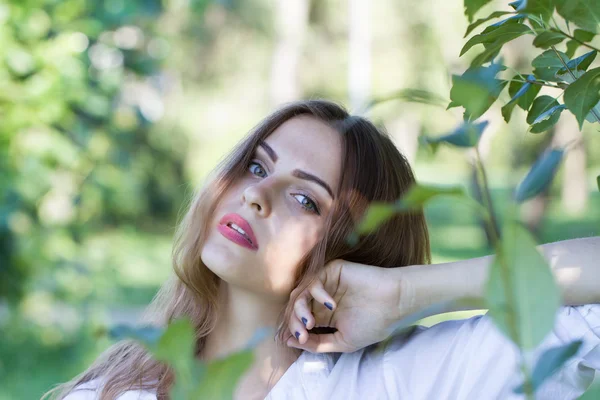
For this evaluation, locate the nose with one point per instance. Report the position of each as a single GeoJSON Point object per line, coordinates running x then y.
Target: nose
{"type": "Point", "coordinates": [257, 197]}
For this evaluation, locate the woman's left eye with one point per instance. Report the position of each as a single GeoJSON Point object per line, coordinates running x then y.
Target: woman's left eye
{"type": "Point", "coordinates": [307, 203]}
{"type": "Point", "coordinates": [257, 169]}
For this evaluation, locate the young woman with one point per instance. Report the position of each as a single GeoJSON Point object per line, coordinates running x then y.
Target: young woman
{"type": "Point", "coordinates": [263, 244]}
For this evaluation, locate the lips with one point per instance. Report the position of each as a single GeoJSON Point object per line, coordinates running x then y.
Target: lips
{"type": "Point", "coordinates": [232, 234]}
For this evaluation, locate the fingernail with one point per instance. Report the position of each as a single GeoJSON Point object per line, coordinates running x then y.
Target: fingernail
{"type": "Point", "coordinates": [328, 305]}
{"type": "Point", "coordinates": [304, 321]}
{"type": "Point", "coordinates": [297, 335]}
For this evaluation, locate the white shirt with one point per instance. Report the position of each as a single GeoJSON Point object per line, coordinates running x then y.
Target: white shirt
{"type": "Point", "coordinates": [465, 359]}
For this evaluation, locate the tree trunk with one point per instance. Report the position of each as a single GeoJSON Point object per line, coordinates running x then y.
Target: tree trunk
{"type": "Point", "coordinates": [291, 20]}
{"type": "Point", "coordinates": [359, 55]}
{"type": "Point", "coordinates": [574, 194]}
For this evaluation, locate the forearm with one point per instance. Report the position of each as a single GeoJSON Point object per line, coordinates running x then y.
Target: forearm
{"type": "Point", "coordinates": [575, 264]}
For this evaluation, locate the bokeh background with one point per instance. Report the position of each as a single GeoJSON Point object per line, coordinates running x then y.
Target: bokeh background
{"type": "Point", "coordinates": [113, 111]}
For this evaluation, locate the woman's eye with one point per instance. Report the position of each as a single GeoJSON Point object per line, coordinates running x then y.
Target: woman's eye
{"type": "Point", "coordinates": [307, 203]}
{"type": "Point", "coordinates": [257, 169]}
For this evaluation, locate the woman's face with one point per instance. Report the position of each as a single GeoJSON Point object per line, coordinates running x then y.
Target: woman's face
{"type": "Point", "coordinates": [281, 205]}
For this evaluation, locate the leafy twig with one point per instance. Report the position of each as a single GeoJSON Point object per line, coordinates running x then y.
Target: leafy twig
{"type": "Point", "coordinates": [594, 113]}
{"type": "Point", "coordinates": [589, 46]}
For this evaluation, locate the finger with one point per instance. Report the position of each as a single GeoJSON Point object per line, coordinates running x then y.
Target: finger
{"type": "Point", "coordinates": [329, 343]}
{"type": "Point", "coordinates": [298, 330]}
{"type": "Point", "coordinates": [318, 292]}
{"type": "Point", "coordinates": [302, 310]}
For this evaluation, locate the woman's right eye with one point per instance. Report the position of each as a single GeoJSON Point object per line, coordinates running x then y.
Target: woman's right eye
{"type": "Point", "coordinates": [257, 169]}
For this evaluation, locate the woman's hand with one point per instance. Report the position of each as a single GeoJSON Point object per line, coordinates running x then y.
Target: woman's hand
{"type": "Point", "coordinates": [362, 302]}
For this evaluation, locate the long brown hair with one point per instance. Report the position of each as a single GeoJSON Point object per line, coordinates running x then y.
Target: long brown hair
{"type": "Point", "coordinates": [372, 170]}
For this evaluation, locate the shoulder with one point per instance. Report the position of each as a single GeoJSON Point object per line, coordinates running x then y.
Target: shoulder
{"type": "Point", "coordinates": [91, 391]}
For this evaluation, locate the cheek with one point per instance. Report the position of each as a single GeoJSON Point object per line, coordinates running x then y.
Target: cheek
{"type": "Point", "coordinates": [288, 249]}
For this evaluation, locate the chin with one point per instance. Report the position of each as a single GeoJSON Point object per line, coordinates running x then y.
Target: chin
{"type": "Point", "coordinates": [227, 260]}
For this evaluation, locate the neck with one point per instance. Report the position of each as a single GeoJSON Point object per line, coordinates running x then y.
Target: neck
{"type": "Point", "coordinates": [241, 315]}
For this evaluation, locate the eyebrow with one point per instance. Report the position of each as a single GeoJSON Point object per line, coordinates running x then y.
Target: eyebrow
{"type": "Point", "coordinates": [297, 172]}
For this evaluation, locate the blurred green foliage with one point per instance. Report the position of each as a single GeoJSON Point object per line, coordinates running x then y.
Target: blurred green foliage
{"type": "Point", "coordinates": [80, 89]}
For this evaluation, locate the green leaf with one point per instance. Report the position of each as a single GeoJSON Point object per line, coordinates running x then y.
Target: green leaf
{"type": "Point", "coordinates": [584, 13]}
{"type": "Point", "coordinates": [472, 6]}
{"type": "Point", "coordinates": [547, 39]}
{"type": "Point", "coordinates": [524, 99]}
{"type": "Point", "coordinates": [583, 94]}
{"type": "Point", "coordinates": [498, 36]}
{"type": "Point", "coordinates": [539, 8]}
{"type": "Point", "coordinates": [549, 362]}
{"type": "Point", "coordinates": [539, 176]}
{"type": "Point", "coordinates": [598, 182]}
{"type": "Point", "coordinates": [518, 4]}
{"type": "Point", "coordinates": [480, 21]}
{"type": "Point", "coordinates": [541, 106]}
{"type": "Point", "coordinates": [522, 93]}
{"type": "Point", "coordinates": [476, 90]}
{"type": "Point", "coordinates": [521, 293]}
{"type": "Point", "coordinates": [176, 345]}
{"type": "Point", "coordinates": [147, 335]}
{"type": "Point", "coordinates": [572, 46]}
{"type": "Point", "coordinates": [411, 96]}
{"type": "Point", "coordinates": [416, 197]}
{"type": "Point", "coordinates": [507, 110]}
{"type": "Point", "coordinates": [466, 135]}
{"type": "Point", "coordinates": [221, 376]}
{"type": "Point", "coordinates": [548, 113]}
{"type": "Point", "coordinates": [578, 64]}
{"type": "Point", "coordinates": [593, 115]}
{"type": "Point", "coordinates": [376, 215]}
{"type": "Point", "coordinates": [583, 35]}
{"type": "Point", "coordinates": [547, 64]}
{"type": "Point", "coordinates": [593, 393]}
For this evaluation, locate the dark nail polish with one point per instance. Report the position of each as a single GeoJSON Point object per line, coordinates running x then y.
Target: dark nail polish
{"type": "Point", "coordinates": [297, 335]}
{"type": "Point", "coordinates": [328, 305]}
{"type": "Point", "coordinates": [304, 321]}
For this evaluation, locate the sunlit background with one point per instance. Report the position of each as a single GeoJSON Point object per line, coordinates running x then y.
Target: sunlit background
{"type": "Point", "coordinates": [112, 111]}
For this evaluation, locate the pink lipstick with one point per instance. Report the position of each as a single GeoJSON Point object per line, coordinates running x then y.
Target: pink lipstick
{"type": "Point", "coordinates": [235, 228]}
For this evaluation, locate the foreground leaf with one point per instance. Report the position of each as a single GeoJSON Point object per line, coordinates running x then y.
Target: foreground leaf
{"type": "Point", "coordinates": [546, 65]}
{"type": "Point", "coordinates": [539, 176]}
{"type": "Point", "coordinates": [147, 335]}
{"type": "Point", "coordinates": [521, 293]}
{"type": "Point", "coordinates": [545, 106]}
{"type": "Point", "coordinates": [525, 96]}
{"type": "Point", "coordinates": [480, 21]}
{"type": "Point", "coordinates": [540, 124]}
{"type": "Point", "coordinates": [466, 135]}
{"type": "Point", "coordinates": [577, 64]}
{"type": "Point", "coordinates": [411, 96]}
{"type": "Point", "coordinates": [472, 6]}
{"type": "Point", "coordinates": [584, 13]}
{"type": "Point", "coordinates": [476, 90]}
{"type": "Point", "coordinates": [550, 362]}
{"type": "Point", "coordinates": [221, 376]}
{"type": "Point", "coordinates": [539, 8]}
{"type": "Point", "coordinates": [547, 39]}
{"type": "Point", "coordinates": [176, 345]}
{"type": "Point", "coordinates": [522, 94]}
{"type": "Point", "coordinates": [416, 197]}
{"type": "Point", "coordinates": [498, 36]}
{"type": "Point", "coordinates": [583, 35]}
{"type": "Point", "coordinates": [583, 94]}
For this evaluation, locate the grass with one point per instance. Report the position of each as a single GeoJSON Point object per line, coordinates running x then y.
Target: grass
{"type": "Point", "coordinates": [127, 267]}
